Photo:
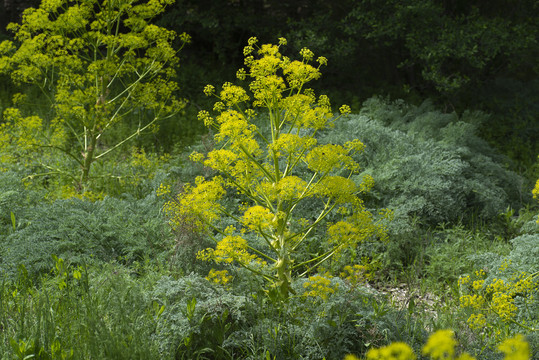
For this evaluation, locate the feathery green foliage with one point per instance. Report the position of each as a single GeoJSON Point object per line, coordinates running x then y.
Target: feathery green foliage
{"type": "Point", "coordinates": [429, 164]}
{"type": "Point", "coordinates": [81, 231]}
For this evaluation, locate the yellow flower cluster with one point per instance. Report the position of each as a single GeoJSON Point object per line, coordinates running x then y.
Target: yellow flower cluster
{"type": "Point", "coordinates": [291, 188]}
{"type": "Point", "coordinates": [230, 249]}
{"type": "Point", "coordinates": [339, 188]}
{"type": "Point", "coordinates": [494, 305]}
{"type": "Point", "coordinates": [196, 203]}
{"type": "Point", "coordinates": [232, 95]}
{"type": "Point", "coordinates": [504, 306]}
{"type": "Point", "coordinates": [477, 321]}
{"type": "Point", "coordinates": [515, 348]}
{"type": "Point", "coordinates": [535, 193]}
{"type": "Point", "coordinates": [475, 301]}
{"type": "Point", "coordinates": [442, 346]}
{"type": "Point", "coordinates": [258, 218]}
{"type": "Point", "coordinates": [326, 158]}
{"type": "Point", "coordinates": [220, 277]}
{"type": "Point", "coordinates": [292, 146]}
{"type": "Point", "coordinates": [535, 190]}
{"type": "Point", "coordinates": [163, 190]}
{"type": "Point", "coordinates": [319, 286]}
{"type": "Point", "coordinates": [360, 273]}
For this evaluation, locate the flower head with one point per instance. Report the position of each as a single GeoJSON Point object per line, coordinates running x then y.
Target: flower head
{"type": "Point", "coordinates": [394, 351]}
{"type": "Point", "coordinates": [441, 345]}
{"type": "Point", "coordinates": [515, 348]}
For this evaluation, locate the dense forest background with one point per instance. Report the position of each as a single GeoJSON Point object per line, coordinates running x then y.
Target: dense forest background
{"type": "Point", "coordinates": [463, 55]}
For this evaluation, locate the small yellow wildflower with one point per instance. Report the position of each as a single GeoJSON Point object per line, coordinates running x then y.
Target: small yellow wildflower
{"type": "Point", "coordinates": [269, 50]}
{"type": "Point", "coordinates": [163, 190]}
{"type": "Point", "coordinates": [204, 116]}
{"type": "Point", "coordinates": [345, 110]}
{"type": "Point", "coordinates": [504, 306]}
{"type": "Point", "coordinates": [241, 74]}
{"type": "Point", "coordinates": [232, 95]}
{"type": "Point", "coordinates": [196, 157]}
{"type": "Point", "coordinates": [329, 157]}
{"type": "Point", "coordinates": [463, 280]}
{"type": "Point", "coordinates": [298, 73]}
{"type": "Point", "coordinates": [230, 249]}
{"type": "Point", "coordinates": [319, 286]}
{"type": "Point", "coordinates": [209, 90]}
{"type": "Point", "coordinates": [480, 273]}
{"type": "Point", "coordinates": [292, 145]}
{"type": "Point", "coordinates": [367, 184]}
{"type": "Point", "coordinates": [505, 264]}
{"type": "Point", "coordinates": [219, 277]}
{"type": "Point", "coordinates": [199, 203]}
{"type": "Point", "coordinates": [477, 321]}
{"type": "Point", "coordinates": [515, 348]}
{"type": "Point", "coordinates": [359, 273]}
{"type": "Point", "coordinates": [322, 60]}
{"type": "Point", "coordinates": [220, 159]}
{"type": "Point", "coordinates": [219, 106]}
{"type": "Point", "coordinates": [337, 187]}
{"type": "Point", "coordinates": [248, 50]}
{"type": "Point", "coordinates": [535, 190]}
{"type": "Point", "coordinates": [497, 285]}
{"type": "Point", "coordinates": [355, 146]}
{"type": "Point", "coordinates": [474, 301]}
{"type": "Point", "coordinates": [478, 284]}
{"type": "Point", "coordinates": [258, 218]}
{"type": "Point", "coordinates": [291, 187]}
{"type": "Point", "coordinates": [394, 351]}
{"type": "Point", "coordinates": [441, 345]}
{"type": "Point", "coordinates": [306, 54]}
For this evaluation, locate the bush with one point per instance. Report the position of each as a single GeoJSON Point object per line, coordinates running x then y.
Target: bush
{"type": "Point", "coordinates": [428, 164]}
{"type": "Point", "coordinates": [79, 231]}
{"type": "Point", "coordinates": [238, 322]}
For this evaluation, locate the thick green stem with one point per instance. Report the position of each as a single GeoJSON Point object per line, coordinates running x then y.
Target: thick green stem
{"type": "Point", "coordinates": [89, 157]}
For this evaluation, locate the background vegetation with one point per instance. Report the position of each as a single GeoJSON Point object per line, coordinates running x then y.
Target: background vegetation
{"type": "Point", "coordinates": [444, 97]}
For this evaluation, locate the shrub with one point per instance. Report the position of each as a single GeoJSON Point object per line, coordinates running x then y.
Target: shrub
{"type": "Point", "coordinates": [79, 231]}
{"type": "Point", "coordinates": [501, 297]}
{"type": "Point", "coordinates": [428, 164]}
{"type": "Point", "coordinates": [238, 321]}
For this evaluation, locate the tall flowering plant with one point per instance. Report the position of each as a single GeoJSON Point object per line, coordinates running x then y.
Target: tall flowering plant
{"type": "Point", "coordinates": [266, 166]}
{"type": "Point", "coordinates": [99, 64]}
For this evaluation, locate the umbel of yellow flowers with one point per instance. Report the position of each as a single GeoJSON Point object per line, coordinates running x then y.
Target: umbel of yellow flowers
{"type": "Point", "coordinates": [274, 167]}
{"type": "Point", "coordinates": [442, 346]}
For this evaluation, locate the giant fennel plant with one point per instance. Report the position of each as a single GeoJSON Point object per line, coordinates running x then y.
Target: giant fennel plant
{"type": "Point", "coordinates": [100, 63]}
{"type": "Point", "coordinates": [266, 167]}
